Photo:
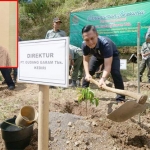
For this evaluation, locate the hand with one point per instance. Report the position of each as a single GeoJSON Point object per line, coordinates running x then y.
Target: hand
{"type": "Point", "coordinates": [87, 77]}
{"type": "Point", "coordinates": [101, 82]}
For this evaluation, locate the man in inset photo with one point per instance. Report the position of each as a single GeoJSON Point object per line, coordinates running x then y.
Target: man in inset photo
{"type": "Point", "coordinates": [4, 58]}
{"type": "Point", "coordinates": [8, 32]}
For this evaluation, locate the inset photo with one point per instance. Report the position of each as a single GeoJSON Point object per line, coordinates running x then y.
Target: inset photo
{"type": "Point", "coordinates": [8, 33]}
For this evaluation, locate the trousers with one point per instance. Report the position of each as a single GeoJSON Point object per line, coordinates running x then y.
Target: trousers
{"type": "Point", "coordinates": [94, 63]}
{"type": "Point", "coordinates": [143, 65]}
{"type": "Point", "coordinates": [7, 77]}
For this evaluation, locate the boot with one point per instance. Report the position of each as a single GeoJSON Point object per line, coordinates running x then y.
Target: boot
{"type": "Point", "coordinates": [73, 84]}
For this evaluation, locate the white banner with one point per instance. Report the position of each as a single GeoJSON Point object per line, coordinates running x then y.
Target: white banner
{"type": "Point", "coordinates": [44, 62]}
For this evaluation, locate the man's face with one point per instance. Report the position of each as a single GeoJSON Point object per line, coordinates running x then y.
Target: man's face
{"type": "Point", "coordinates": [90, 38]}
{"type": "Point", "coordinates": [57, 25]}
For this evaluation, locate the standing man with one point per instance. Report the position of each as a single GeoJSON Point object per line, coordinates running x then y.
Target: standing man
{"type": "Point", "coordinates": [145, 52]}
{"type": "Point", "coordinates": [103, 51]}
{"type": "Point", "coordinates": [77, 65]}
{"type": "Point", "coordinates": [55, 32]}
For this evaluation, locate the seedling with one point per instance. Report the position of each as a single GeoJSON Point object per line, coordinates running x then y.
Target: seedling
{"type": "Point", "coordinates": [86, 94]}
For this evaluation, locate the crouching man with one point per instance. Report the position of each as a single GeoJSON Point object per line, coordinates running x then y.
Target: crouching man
{"type": "Point", "coordinates": [77, 65]}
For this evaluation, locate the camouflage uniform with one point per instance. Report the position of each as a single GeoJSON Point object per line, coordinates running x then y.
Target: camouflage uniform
{"type": "Point", "coordinates": [77, 56]}
{"type": "Point", "coordinates": [145, 60]}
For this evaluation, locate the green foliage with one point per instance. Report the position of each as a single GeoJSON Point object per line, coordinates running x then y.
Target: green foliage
{"type": "Point", "coordinates": [86, 94]}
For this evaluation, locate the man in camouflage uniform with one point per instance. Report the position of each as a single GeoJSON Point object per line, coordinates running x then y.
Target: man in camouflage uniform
{"type": "Point", "coordinates": [77, 65]}
{"type": "Point", "coordinates": [55, 32]}
{"type": "Point", "coordinates": [145, 52]}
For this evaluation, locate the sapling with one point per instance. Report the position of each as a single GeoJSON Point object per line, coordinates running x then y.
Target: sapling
{"type": "Point", "coordinates": [86, 94]}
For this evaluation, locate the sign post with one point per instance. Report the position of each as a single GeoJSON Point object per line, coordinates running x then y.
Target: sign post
{"type": "Point", "coordinates": [43, 120]}
{"type": "Point", "coordinates": [44, 62]}
{"type": "Point", "coordinates": [138, 54]}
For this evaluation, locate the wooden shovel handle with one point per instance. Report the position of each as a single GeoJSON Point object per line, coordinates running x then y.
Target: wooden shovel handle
{"type": "Point", "coordinates": [141, 98]}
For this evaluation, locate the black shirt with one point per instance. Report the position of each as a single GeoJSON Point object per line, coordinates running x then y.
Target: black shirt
{"type": "Point", "coordinates": [105, 48]}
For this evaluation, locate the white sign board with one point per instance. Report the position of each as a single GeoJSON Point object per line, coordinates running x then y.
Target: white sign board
{"type": "Point", "coordinates": [123, 64]}
{"type": "Point", "coordinates": [44, 62]}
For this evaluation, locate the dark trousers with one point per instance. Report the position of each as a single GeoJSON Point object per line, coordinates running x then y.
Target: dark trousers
{"type": "Point", "coordinates": [115, 72]}
{"type": "Point", "coordinates": [7, 77]}
{"type": "Point", "coordinates": [15, 73]}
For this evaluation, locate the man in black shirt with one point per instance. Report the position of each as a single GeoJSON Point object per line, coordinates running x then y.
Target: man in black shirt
{"type": "Point", "coordinates": [103, 51]}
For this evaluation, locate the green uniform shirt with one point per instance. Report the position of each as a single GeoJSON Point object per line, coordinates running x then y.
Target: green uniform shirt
{"type": "Point", "coordinates": [55, 34]}
{"type": "Point", "coordinates": [75, 52]}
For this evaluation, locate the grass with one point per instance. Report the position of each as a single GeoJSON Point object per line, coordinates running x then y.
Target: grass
{"type": "Point", "coordinates": [131, 73]}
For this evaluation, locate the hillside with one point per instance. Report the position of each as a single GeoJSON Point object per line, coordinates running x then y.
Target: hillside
{"type": "Point", "coordinates": [36, 18]}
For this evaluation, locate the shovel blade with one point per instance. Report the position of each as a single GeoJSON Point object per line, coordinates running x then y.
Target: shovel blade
{"type": "Point", "coordinates": [126, 111]}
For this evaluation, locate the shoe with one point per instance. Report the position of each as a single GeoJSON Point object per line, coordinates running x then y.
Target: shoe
{"type": "Point", "coordinates": [11, 87]}
{"type": "Point", "coordinates": [148, 80]}
{"type": "Point", "coordinates": [117, 105]}
{"type": "Point", "coordinates": [4, 82]}
{"type": "Point", "coordinates": [73, 84]}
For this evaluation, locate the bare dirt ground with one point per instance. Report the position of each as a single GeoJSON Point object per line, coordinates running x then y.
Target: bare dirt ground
{"type": "Point", "coordinates": [91, 132]}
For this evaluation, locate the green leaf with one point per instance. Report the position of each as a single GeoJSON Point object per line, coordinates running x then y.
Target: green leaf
{"type": "Point", "coordinates": [92, 101]}
{"type": "Point", "coordinates": [92, 94]}
{"type": "Point", "coordinates": [96, 101]}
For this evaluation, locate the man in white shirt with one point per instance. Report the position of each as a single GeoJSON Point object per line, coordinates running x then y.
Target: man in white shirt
{"type": "Point", "coordinates": [145, 52]}
{"type": "Point", "coordinates": [55, 32]}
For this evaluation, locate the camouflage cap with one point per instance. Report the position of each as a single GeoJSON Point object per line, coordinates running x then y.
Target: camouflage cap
{"type": "Point", "coordinates": [57, 20]}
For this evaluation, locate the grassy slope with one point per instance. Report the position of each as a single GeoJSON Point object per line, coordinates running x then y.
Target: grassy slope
{"type": "Point", "coordinates": [36, 19]}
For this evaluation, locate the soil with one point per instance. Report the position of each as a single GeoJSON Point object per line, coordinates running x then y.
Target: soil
{"type": "Point", "coordinates": [70, 128]}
